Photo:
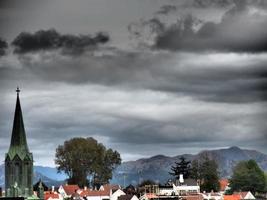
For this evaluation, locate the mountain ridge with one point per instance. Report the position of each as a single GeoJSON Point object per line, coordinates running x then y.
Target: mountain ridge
{"type": "Point", "coordinates": [157, 167]}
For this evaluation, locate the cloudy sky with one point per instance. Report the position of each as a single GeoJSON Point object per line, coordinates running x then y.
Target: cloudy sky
{"type": "Point", "coordinates": [144, 77]}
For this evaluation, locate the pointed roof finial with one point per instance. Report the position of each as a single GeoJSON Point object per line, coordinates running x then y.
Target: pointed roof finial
{"type": "Point", "coordinates": [18, 90]}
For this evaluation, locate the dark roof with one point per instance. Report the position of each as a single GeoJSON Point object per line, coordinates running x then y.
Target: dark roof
{"type": "Point", "coordinates": [125, 197]}
{"type": "Point", "coordinates": [190, 182]}
{"type": "Point", "coordinates": [18, 146]}
{"type": "Point", "coordinates": [36, 186]}
{"type": "Point", "coordinates": [130, 187]}
{"type": "Point", "coordinates": [166, 186]}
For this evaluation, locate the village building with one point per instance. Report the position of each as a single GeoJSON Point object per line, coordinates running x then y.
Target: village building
{"type": "Point", "coordinates": [186, 187]}
{"type": "Point", "coordinates": [67, 190]}
{"type": "Point", "coordinates": [52, 196]}
{"type": "Point", "coordinates": [240, 196]}
{"type": "Point", "coordinates": [128, 197]}
{"type": "Point", "coordinates": [212, 196]}
{"type": "Point", "coordinates": [116, 194]}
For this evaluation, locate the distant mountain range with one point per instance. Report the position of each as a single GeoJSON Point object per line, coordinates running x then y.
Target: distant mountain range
{"type": "Point", "coordinates": [157, 167]}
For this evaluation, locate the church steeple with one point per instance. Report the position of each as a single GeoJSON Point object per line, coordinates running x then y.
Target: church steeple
{"type": "Point", "coordinates": [18, 145]}
{"type": "Point", "coordinates": [19, 160]}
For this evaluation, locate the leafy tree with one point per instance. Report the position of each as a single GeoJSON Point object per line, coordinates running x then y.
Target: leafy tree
{"type": "Point", "coordinates": [209, 175]}
{"type": "Point", "coordinates": [81, 158]}
{"type": "Point", "coordinates": [247, 176]}
{"type": "Point", "coordinates": [182, 167]}
{"type": "Point", "coordinates": [195, 170]}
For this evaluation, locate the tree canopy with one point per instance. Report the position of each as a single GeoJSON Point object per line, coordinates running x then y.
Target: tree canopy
{"type": "Point", "coordinates": [248, 176]}
{"type": "Point", "coordinates": [83, 159]}
{"type": "Point", "coordinates": [205, 170]}
{"type": "Point", "coordinates": [181, 167]}
{"type": "Point", "coordinates": [209, 175]}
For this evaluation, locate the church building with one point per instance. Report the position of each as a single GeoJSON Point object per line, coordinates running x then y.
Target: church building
{"type": "Point", "coordinates": [18, 160]}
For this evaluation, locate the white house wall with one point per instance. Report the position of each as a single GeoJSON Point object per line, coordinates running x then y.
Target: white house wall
{"type": "Point", "coordinates": [97, 197]}
{"type": "Point", "coordinates": [116, 194]}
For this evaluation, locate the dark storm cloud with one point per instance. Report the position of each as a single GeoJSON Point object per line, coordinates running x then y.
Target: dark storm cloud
{"type": "Point", "coordinates": [166, 9]}
{"type": "Point", "coordinates": [224, 3]}
{"type": "Point", "coordinates": [240, 30]}
{"type": "Point", "coordinates": [3, 47]}
{"type": "Point", "coordinates": [208, 77]}
{"type": "Point", "coordinates": [50, 39]}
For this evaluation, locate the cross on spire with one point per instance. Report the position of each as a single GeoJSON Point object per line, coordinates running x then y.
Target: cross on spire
{"type": "Point", "coordinates": [18, 91]}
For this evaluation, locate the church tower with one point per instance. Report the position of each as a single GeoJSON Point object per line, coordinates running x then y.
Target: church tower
{"type": "Point", "coordinates": [18, 160]}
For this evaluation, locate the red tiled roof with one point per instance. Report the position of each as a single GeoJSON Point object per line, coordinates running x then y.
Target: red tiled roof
{"type": "Point", "coordinates": [94, 193]}
{"type": "Point", "coordinates": [223, 184]}
{"type": "Point", "coordinates": [232, 197]}
{"type": "Point", "coordinates": [111, 187]}
{"type": "Point", "coordinates": [84, 193]}
{"type": "Point", "coordinates": [70, 189]}
{"type": "Point", "coordinates": [47, 195]}
{"type": "Point", "coordinates": [193, 197]}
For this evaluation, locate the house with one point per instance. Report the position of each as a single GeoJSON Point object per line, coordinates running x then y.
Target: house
{"type": "Point", "coordinates": [76, 196]}
{"type": "Point", "coordinates": [183, 190]}
{"type": "Point", "coordinates": [130, 189]}
{"type": "Point", "coordinates": [67, 190]}
{"type": "Point", "coordinates": [105, 192]}
{"type": "Point", "coordinates": [231, 197]}
{"type": "Point", "coordinates": [166, 190]}
{"type": "Point", "coordinates": [212, 196]}
{"type": "Point", "coordinates": [148, 196]}
{"type": "Point", "coordinates": [128, 197]}
{"type": "Point", "coordinates": [186, 187]}
{"type": "Point", "coordinates": [52, 196]}
{"type": "Point", "coordinates": [95, 194]}
{"type": "Point", "coordinates": [116, 194]}
{"type": "Point", "coordinates": [245, 195]}
{"type": "Point", "coordinates": [240, 196]}
{"type": "Point", "coordinates": [109, 187]}
{"type": "Point", "coordinates": [192, 197]}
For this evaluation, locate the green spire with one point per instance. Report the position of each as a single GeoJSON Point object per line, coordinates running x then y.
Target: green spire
{"type": "Point", "coordinates": [18, 145]}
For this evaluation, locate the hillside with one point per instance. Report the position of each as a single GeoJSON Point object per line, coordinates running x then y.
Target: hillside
{"type": "Point", "coordinates": [157, 167]}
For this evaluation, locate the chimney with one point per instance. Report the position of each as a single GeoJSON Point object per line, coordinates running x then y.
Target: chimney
{"type": "Point", "coordinates": [181, 178]}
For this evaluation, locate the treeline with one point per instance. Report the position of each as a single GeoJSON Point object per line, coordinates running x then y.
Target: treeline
{"type": "Point", "coordinates": [247, 175]}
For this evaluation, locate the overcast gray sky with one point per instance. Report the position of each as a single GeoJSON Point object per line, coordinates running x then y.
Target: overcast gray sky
{"type": "Point", "coordinates": [144, 77]}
